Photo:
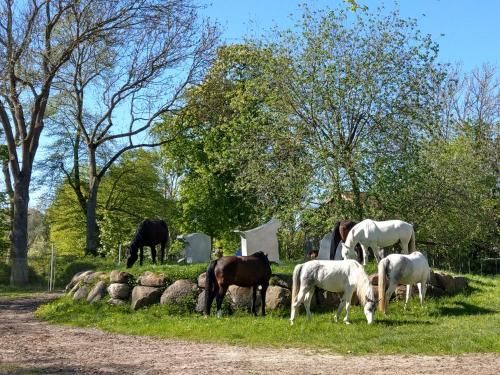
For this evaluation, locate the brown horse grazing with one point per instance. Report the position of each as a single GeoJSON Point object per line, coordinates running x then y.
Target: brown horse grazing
{"type": "Point", "coordinates": [339, 233]}
{"type": "Point", "coordinates": [149, 233]}
{"type": "Point", "coordinates": [245, 271]}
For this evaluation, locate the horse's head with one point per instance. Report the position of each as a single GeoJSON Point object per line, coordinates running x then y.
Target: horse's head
{"type": "Point", "coordinates": [369, 309]}
{"type": "Point", "coordinates": [348, 253]}
{"type": "Point", "coordinates": [131, 256]}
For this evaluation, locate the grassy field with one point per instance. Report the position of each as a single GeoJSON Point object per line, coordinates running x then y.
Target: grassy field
{"type": "Point", "coordinates": [465, 323]}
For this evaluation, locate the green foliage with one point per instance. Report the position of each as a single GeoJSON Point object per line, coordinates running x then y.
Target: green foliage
{"type": "Point", "coordinates": [129, 193]}
{"type": "Point", "coordinates": [451, 325]}
{"type": "Point", "coordinates": [66, 222]}
{"type": "Point", "coordinates": [231, 137]}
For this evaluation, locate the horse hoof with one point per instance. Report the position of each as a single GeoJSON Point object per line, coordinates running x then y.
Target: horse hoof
{"type": "Point", "coordinates": [346, 322]}
{"type": "Point", "coordinates": [291, 322]}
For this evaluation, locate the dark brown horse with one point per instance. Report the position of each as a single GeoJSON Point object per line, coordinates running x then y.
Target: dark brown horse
{"type": "Point", "coordinates": [339, 233]}
{"type": "Point", "coordinates": [245, 271]}
{"type": "Point", "coordinates": [149, 233]}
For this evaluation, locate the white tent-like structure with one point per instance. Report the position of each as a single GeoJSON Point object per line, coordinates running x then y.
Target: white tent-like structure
{"type": "Point", "coordinates": [324, 247]}
{"type": "Point", "coordinates": [263, 238]}
{"type": "Point", "coordinates": [197, 247]}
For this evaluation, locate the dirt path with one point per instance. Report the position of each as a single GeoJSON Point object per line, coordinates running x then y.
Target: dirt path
{"type": "Point", "coordinates": [28, 345]}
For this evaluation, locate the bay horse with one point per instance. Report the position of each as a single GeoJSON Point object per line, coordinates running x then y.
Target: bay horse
{"type": "Point", "coordinates": [402, 269]}
{"type": "Point", "coordinates": [377, 235]}
{"type": "Point", "coordinates": [340, 276]}
{"type": "Point", "coordinates": [246, 271]}
{"type": "Point", "coordinates": [149, 233]}
{"type": "Point", "coordinates": [339, 234]}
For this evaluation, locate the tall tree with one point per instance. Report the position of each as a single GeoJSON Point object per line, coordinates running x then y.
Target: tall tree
{"type": "Point", "coordinates": [239, 158]}
{"type": "Point", "coordinates": [38, 38]}
{"type": "Point", "coordinates": [112, 91]}
{"type": "Point", "coordinates": [351, 79]}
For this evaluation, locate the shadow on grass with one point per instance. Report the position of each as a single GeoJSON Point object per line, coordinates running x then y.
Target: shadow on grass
{"type": "Point", "coordinates": [461, 308]}
{"type": "Point", "coordinates": [392, 323]}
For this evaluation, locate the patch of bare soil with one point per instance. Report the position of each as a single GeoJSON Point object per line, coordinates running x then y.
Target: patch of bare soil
{"type": "Point", "coordinates": [28, 345]}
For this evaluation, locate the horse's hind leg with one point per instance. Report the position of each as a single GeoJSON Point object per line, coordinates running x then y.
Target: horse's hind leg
{"type": "Point", "coordinates": [307, 302]}
{"type": "Point", "coordinates": [263, 298]}
{"type": "Point", "coordinates": [254, 297]}
{"type": "Point", "coordinates": [388, 294]}
{"type": "Point", "coordinates": [153, 253]}
{"type": "Point", "coordinates": [408, 294]}
{"type": "Point", "coordinates": [218, 298]}
{"type": "Point", "coordinates": [422, 287]}
{"type": "Point", "coordinates": [162, 252]}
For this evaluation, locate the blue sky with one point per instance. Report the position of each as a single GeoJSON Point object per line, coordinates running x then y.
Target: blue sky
{"type": "Point", "coordinates": [471, 29]}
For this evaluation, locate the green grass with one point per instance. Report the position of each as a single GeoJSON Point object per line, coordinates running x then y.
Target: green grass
{"type": "Point", "coordinates": [464, 323]}
{"type": "Point", "coordinates": [7, 291]}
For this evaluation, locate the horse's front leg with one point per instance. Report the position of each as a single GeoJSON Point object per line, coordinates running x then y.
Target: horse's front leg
{"type": "Point", "coordinates": [141, 255]}
{"type": "Point", "coordinates": [376, 252]}
{"type": "Point", "coordinates": [347, 307]}
{"type": "Point", "coordinates": [339, 310]}
{"type": "Point", "coordinates": [365, 254]}
{"type": "Point", "coordinates": [153, 253]}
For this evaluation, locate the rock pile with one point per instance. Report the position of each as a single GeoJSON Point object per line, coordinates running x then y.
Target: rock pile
{"type": "Point", "coordinates": [89, 285]}
{"type": "Point", "coordinates": [152, 288]}
{"type": "Point", "coordinates": [148, 291]}
{"type": "Point", "coordinates": [119, 287]}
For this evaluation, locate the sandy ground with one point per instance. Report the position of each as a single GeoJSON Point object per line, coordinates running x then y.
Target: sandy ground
{"type": "Point", "coordinates": [28, 345]}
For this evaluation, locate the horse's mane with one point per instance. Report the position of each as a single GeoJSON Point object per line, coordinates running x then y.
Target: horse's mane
{"type": "Point", "coordinates": [363, 286]}
{"type": "Point", "coordinates": [335, 240]}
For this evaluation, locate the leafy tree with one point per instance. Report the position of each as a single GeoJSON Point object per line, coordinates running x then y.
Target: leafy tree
{"type": "Point", "coordinates": [130, 192]}
{"type": "Point", "coordinates": [38, 39]}
{"type": "Point", "coordinates": [141, 71]}
{"type": "Point", "coordinates": [237, 156]}
{"type": "Point", "coordinates": [360, 85]}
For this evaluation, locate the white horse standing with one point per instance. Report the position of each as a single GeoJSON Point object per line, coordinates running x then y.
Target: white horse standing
{"type": "Point", "coordinates": [377, 235]}
{"type": "Point", "coordinates": [340, 276]}
{"type": "Point", "coordinates": [402, 269]}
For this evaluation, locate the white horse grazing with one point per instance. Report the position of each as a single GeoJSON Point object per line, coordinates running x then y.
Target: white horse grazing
{"type": "Point", "coordinates": [402, 269]}
{"type": "Point", "coordinates": [377, 235]}
{"type": "Point", "coordinates": [340, 276]}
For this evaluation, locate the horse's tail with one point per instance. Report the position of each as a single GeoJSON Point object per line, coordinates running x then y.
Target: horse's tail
{"type": "Point", "coordinates": [335, 240]}
{"type": "Point", "coordinates": [296, 285]}
{"type": "Point", "coordinates": [382, 274]}
{"type": "Point", "coordinates": [209, 286]}
{"type": "Point", "coordinates": [412, 247]}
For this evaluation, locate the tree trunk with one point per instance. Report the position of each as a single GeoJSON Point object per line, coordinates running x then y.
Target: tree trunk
{"type": "Point", "coordinates": [92, 232]}
{"type": "Point", "coordinates": [358, 204]}
{"type": "Point", "coordinates": [19, 245]}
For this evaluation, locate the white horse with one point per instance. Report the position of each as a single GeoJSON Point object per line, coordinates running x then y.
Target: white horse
{"type": "Point", "coordinates": [377, 235]}
{"type": "Point", "coordinates": [402, 269]}
{"type": "Point", "coordinates": [340, 276]}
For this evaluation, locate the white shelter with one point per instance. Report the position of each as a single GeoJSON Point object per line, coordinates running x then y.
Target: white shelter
{"type": "Point", "coordinates": [324, 247]}
{"type": "Point", "coordinates": [263, 238]}
{"type": "Point", "coordinates": [197, 247]}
